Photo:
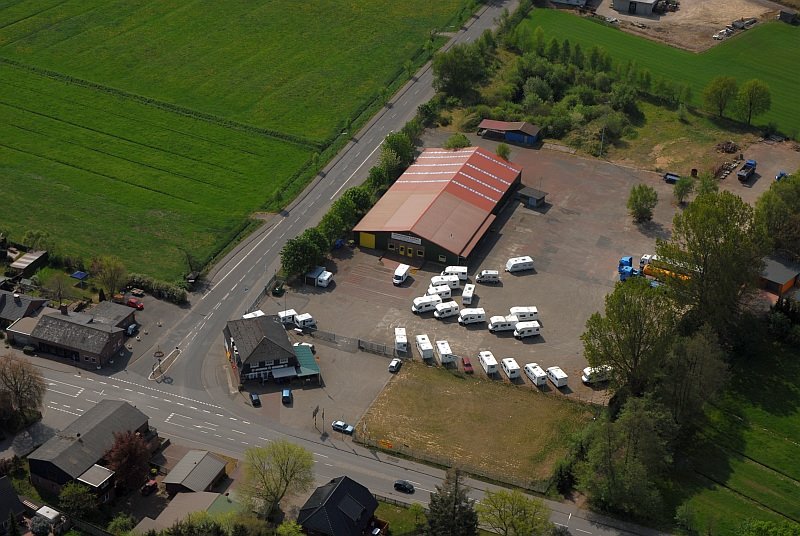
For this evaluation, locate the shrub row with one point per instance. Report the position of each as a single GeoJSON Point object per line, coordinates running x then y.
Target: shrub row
{"type": "Point", "coordinates": [159, 289]}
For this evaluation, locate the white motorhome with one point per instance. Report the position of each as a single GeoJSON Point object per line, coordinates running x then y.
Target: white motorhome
{"type": "Point", "coordinates": [460, 271]}
{"type": "Point", "coordinates": [503, 323]}
{"type": "Point", "coordinates": [535, 373]}
{"type": "Point", "coordinates": [596, 374]}
{"type": "Point", "coordinates": [424, 304]}
{"type": "Point", "coordinates": [527, 329]}
{"type": "Point", "coordinates": [525, 313]}
{"type": "Point", "coordinates": [488, 276]}
{"type": "Point", "coordinates": [304, 320]}
{"type": "Point", "coordinates": [424, 347]}
{"type": "Point", "coordinates": [467, 294]}
{"type": "Point", "coordinates": [446, 309]}
{"type": "Point", "coordinates": [471, 316]}
{"type": "Point", "coordinates": [488, 362]}
{"type": "Point", "coordinates": [443, 353]}
{"type": "Point", "coordinates": [254, 314]}
{"type": "Point", "coordinates": [510, 367]}
{"type": "Point", "coordinates": [557, 376]}
{"type": "Point", "coordinates": [451, 281]}
{"type": "Point", "coordinates": [518, 264]}
{"type": "Point", "coordinates": [401, 274]}
{"type": "Point", "coordinates": [320, 277]}
{"type": "Point", "coordinates": [400, 339]}
{"type": "Point", "coordinates": [443, 291]}
{"type": "Point", "coordinates": [287, 316]}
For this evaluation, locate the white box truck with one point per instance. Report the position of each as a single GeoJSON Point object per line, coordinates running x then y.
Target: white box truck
{"type": "Point", "coordinates": [424, 304]}
{"type": "Point", "coordinates": [502, 323]}
{"type": "Point", "coordinates": [535, 374]}
{"type": "Point", "coordinates": [443, 291]}
{"type": "Point", "coordinates": [488, 276]}
{"type": "Point", "coordinates": [467, 294]}
{"type": "Point", "coordinates": [287, 316]}
{"type": "Point", "coordinates": [518, 264]}
{"type": "Point", "coordinates": [304, 320]}
{"type": "Point", "coordinates": [424, 347]}
{"type": "Point", "coordinates": [451, 281]}
{"type": "Point", "coordinates": [527, 329]}
{"type": "Point", "coordinates": [524, 314]}
{"type": "Point", "coordinates": [460, 271]}
{"type": "Point", "coordinates": [488, 362]}
{"type": "Point", "coordinates": [471, 316]}
{"type": "Point", "coordinates": [557, 376]}
{"type": "Point", "coordinates": [510, 367]}
{"type": "Point", "coordinates": [401, 274]}
{"type": "Point", "coordinates": [400, 340]}
{"type": "Point", "coordinates": [443, 353]}
{"type": "Point", "coordinates": [445, 310]}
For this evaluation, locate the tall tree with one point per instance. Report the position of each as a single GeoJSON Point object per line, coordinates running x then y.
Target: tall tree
{"type": "Point", "coordinates": [400, 143]}
{"type": "Point", "coordinates": [451, 512]}
{"type": "Point", "coordinates": [23, 382]}
{"type": "Point", "coordinates": [111, 273]}
{"type": "Point", "coordinates": [632, 336]}
{"type": "Point", "coordinates": [753, 98]}
{"type": "Point", "coordinates": [76, 500]}
{"type": "Point", "coordinates": [719, 93]}
{"type": "Point", "coordinates": [59, 284]}
{"type": "Point", "coordinates": [274, 471]}
{"type": "Point", "coordinates": [641, 202]}
{"type": "Point", "coordinates": [778, 211]}
{"type": "Point", "coordinates": [128, 458]}
{"type": "Point", "coordinates": [683, 189]}
{"type": "Point", "coordinates": [331, 226]}
{"type": "Point", "coordinates": [510, 513]}
{"type": "Point", "coordinates": [457, 71]}
{"type": "Point", "coordinates": [360, 198]}
{"type": "Point", "coordinates": [297, 256]}
{"type": "Point", "coordinates": [717, 242]}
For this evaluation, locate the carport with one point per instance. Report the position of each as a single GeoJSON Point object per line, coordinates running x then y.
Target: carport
{"type": "Point", "coordinates": [307, 367]}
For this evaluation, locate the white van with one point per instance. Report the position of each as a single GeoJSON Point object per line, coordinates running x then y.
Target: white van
{"type": "Point", "coordinates": [443, 353]}
{"type": "Point", "coordinates": [525, 314]}
{"type": "Point", "coordinates": [400, 339]}
{"type": "Point", "coordinates": [424, 304]}
{"type": "Point", "coordinates": [488, 362]}
{"type": "Point", "coordinates": [557, 376]}
{"type": "Point", "coordinates": [488, 276]}
{"type": "Point", "coordinates": [443, 291]}
{"type": "Point", "coordinates": [471, 316]}
{"type": "Point", "coordinates": [503, 323]}
{"type": "Point", "coordinates": [304, 320]}
{"type": "Point", "coordinates": [518, 264]}
{"type": "Point", "coordinates": [467, 294]}
{"type": "Point", "coordinates": [527, 329]}
{"type": "Point", "coordinates": [401, 274]}
{"type": "Point", "coordinates": [424, 347]}
{"type": "Point", "coordinates": [446, 309]}
{"type": "Point", "coordinates": [460, 271]}
{"type": "Point", "coordinates": [287, 316]}
{"type": "Point", "coordinates": [510, 367]}
{"type": "Point", "coordinates": [535, 374]}
{"type": "Point", "coordinates": [451, 281]}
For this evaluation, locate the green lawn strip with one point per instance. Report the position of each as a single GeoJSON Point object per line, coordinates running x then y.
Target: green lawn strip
{"type": "Point", "coordinates": [761, 52]}
{"type": "Point", "coordinates": [299, 69]}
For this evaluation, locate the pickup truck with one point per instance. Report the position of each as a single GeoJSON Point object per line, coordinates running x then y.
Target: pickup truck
{"type": "Point", "coordinates": [747, 171]}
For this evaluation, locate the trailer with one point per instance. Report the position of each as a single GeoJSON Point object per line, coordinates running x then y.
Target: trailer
{"type": "Point", "coordinates": [747, 171]}
{"type": "Point", "coordinates": [400, 339]}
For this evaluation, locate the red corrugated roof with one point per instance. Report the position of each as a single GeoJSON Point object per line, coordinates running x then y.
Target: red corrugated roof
{"type": "Point", "coordinates": [445, 197]}
{"type": "Point", "coordinates": [505, 126]}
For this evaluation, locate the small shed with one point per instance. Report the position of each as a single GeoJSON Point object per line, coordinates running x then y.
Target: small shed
{"type": "Point", "coordinates": [28, 263]}
{"type": "Point", "coordinates": [532, 197]}
{"type": "Point", "coordinates": [789, 17]}
{"type": "Point", "coordinates": [780, 275]}
{"type": "Point", "coordinates": [199, 470]}
{"type": "Point", "coordinates": [519, 132]}
{"type": "Point", "coordinates": [637, 7]}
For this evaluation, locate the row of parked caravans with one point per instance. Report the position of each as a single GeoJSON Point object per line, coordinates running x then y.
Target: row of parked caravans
{"type": "Point", "coordinates": [533, 371]}
{"type": "Point", "coordinates": [515, 264]}
{"type": "Point", "coordinates": [522, 320]}
{"type": "Point", "coordinates": [441, 351]}
{"type": "Point", "coordinates": [290, 316]}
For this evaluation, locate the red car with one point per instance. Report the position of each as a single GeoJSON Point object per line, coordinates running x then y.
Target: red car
{"type": "Point", "coordinates": [467, 365]}
{"type": "Point", "coordinates": [135, 303]}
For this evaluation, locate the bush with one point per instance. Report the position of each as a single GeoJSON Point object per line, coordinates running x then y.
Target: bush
{"type": "Point", "coordinates": [457, 141]}
{"type": "Point", "coordinates": [642, 201]}
{"type": "Point", "coordinates": [159, 289]}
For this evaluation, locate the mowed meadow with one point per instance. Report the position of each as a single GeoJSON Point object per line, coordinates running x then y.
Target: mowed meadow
{"type": "Point", "coordinates": [768, 52]}
{"type": "Point", "coordinates": [151, 130]}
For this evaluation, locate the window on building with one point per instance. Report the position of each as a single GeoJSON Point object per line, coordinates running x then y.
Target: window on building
{"type": "Point", "coordinates": [442, 258]}
{"type": "Point", "coordinates": [391, 246]}
{"type": "Point", "coordinates": [420, 252]}
{"type": "Point", "coordinates": [284, 360]}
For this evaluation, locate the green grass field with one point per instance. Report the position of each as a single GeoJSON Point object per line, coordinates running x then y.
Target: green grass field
{"type": "Point", "coordinates": [766, 52]}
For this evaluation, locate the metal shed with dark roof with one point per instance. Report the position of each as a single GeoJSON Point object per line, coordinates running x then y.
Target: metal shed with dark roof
{"type": "Point", "coordinates": [78, 336]}
{"type": "Point", "coordinates": [442, 206]}
{"type": "Point", "coordinates": [342, 507]}
{"type": "Point", "coordinates": [518, 132]}
{"type": "Point", "coordinates": [780, 275]}
{"type": "Point", "coordinates": [198, 470]}
{"type": "Point", "coordinates": [258, 345]}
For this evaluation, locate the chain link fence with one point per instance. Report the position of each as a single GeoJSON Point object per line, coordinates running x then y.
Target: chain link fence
{"type": "Point", "coordinates": [257, 300]}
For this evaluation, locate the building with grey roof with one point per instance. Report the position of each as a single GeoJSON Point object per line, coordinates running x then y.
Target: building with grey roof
{"type": "Point", "coordinates": [14, 306]}
{"type": "Point", "coordinates": [342, 507]}
{"type": "Point", "coordinates": [260, 348]}
{"type": "Point", "coordinates": [113, 314]}
{"type": "Point", "coordinates": [198, 470]}
{"type": "Point", "coordinates": [73, 452]}
{"type": "Point", "coordinates": [780, 275]}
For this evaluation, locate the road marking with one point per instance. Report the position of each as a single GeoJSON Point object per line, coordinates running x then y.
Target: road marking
{"type": "Point", "coordinates": [129, 390]}
{"type": "Point", "coordinates": [217, 435]}
{"type": "Point", "coordinates": [168, 401]}
{"type": "Point", "coordinates": [415, 483]}
{"type": "Point", "coordinates": [210, 423]}
{"type": "Point", "coordinates": [234, 286]}
{"type": "Point", "coordinates": [265, 439]}
{"type": "Point", "coordinates": [559, 524]}
{"type": "Point", "coordinates": [245, 422]}
{"type": "Point", "coordinates": [237, 431]}
{"type": "Point", "coordinates": [90, 379]}
{"type": "Point", "coordinates": [206, 411]}
{"type": "Point", "coordinates": [102, 383]}
{"type": "Point", "coordinates": [423, 489]}
{"type": "Point", "coordinates": [318, 454]}
{"type": "Point", "coordinates": [356, 171]}
{"type": "Point", "coordinates": [179, 403]}
{"type": "Point", "coordinates": [242, 260]}
{"type": "Point", "coordinates": [230, 439]}
{"type": "Point", "coordinates": [570, 516]}
{"type": "Point", "coordinates": [220, 415]}
{"type": "Point", "coordinates": [581, 530]}
{"type": "Point", "coordinates": [153, 407]}
{"type": "Point", "coordinates": [329, 464]}
{"type": "Point", "coordinates": [92, 401]}
{"type": "Point", "coordinates": [140, 393]}
{"type": "Point", "coordinates": [245, 443]}
{"type": "Point", "coordinates": [174, 424]}
{"type": "Point", "coordinates": [65, 411]}
{"type": "Point", "coordinates": [232, 418]}
{"type": "Point", "coordinates": [192, 407]}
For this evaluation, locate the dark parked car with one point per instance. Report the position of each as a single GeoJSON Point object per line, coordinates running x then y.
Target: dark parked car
{"type": "Point", "coordinates": [404, 485]}
{"type": "Point", "coordinates": [286, 396]}
{"type": "Point", "coordinates": [255, 400]}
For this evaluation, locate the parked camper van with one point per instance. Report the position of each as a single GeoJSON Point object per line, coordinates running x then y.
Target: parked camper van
{"type": "Point", "coordinates": [424, 304]}
{"type": "Point", "coordinates": [467, 294]}
{"type": "Point", "coordinates": [488, 276]}
{"type": "Point", "coordinates": [319, 276]}
{"type": "Point", "coordinates": [424, 347]}
{"type": "Point", "coordinates": [304, 320]}
{"type": "Point", "coordinates": [510, 367]}
{"type": "Point", "coordinates": [525, 314]}
{"type": "Point", "coordinates": [446, 309]}
{"type": "Point", "coordinates": [400, 339]}
{"type": "Point", "coordinates": [443, 353]}
{"type": "Point", "coordinates": [557, 376]}
{"type": "Point", "coordinates": [595, 374]}
{"type": "Point", "coordinates": [488, 362]}
{"type": "Point", "coordinates": [451, 281]}
{"type": "Point", "coordinates": [460, 271]}
{"type": "Point", "coordinates": [518, 264]}
{"type": "Point", "coordinates": [503, 323]}
{"type": "Point", "coordinates": [401, 274]}
{"type": "Point", "coordinates": [287, 316]}
{"type": "Point", "coordinates": [527, 329]}
{"type": "Point", "coordinates": [535, 374]}
{"type": "Point", "coordinates": [471, 316]}
{"type": "Point", "coordinates": [443, 291]}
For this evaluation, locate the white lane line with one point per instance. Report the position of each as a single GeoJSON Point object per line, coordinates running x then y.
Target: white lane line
{"type": "Point", "coordinates": [217, 435]}
{"type": "Point", "coordinates": [423, 489]}
{"type": "Point", "coordinates": [559, 524]}
{"type": "Point", "coordinates": [266, 235]}
{"type": "Point", "coordinates": [210, 423]}
{"type": "Point", "coordinates": [318, 454]}
{"type": "Point", "coordinates": [234, 286]}
{"type": "Point", "coordinates": [581, 530]}
{"type": "Point", "coordinates": [265, 439]}
{"type": "Point", "coordinates": [192, 407]}
{"type": "Point", "coordinates": [219, 415]}
{"type": "Point", "coordinates": [233, 418]}
{"type": "Point", "coordinates": [245, 422]}
{"type": "Point", "coordinates": [206, 411]}
{"type": "Point", "coordinates": [230, 439]}
{"type": "Point", "coordinates": [102, 383]}
{"type": "Point", "coordinates": [570, 516]}
{"type": "Point", "coordinates": [90, 379]}
{"type": "Point", "coordinates": [237, 431]}
{"type": "Point", "coordinates": [153, 407]}
{"type": "Point", "coordinates": [174, 424]}
{"type": "Point", "coordinates": [415, 483]}
{"type": "Point", "coordinates": [356, 171]}
{"type": "Point", "coordinates": [329, 464]}
{"type": "Point", "coordinates": [180, 403]}
{"type": "Point", "coordinates": [245, 443]}
{"type": "Point", "coordinates": [140, 393]}
{"type": "Point", "coordinates": [65, 411]}
{"type": "Point", "coordinates": [65, 394]}
{"type": "Point", "coordinates": [92, 401]}
{"type": "Point", "coordinates": [129, 390]}
{"type": "Point", "coordinates": [204, 431]}
{"type": "Point", "coordinates": [168, 401]}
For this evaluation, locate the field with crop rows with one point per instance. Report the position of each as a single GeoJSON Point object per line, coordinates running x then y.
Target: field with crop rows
{"type": "Point", "coordinates": [766, 52]}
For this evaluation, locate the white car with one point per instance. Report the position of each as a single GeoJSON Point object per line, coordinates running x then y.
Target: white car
{"type": "Point", "coordinates": [596, 374]}
{"type": "Point", "coordinates": [307, 344]}
{"type": "Point", "coordinates": [395, 365]}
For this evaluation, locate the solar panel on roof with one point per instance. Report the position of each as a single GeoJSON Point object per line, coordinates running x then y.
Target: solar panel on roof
{"type": "Point", "coordinates": [80, 276]}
